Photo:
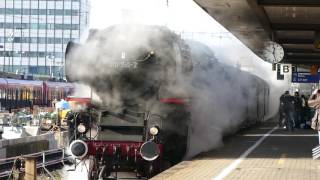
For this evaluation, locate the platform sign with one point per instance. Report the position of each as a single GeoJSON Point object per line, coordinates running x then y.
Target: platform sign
{"type": "Point", "coordinates": [304, 77]}
{"type": "Point", "coordinates": [279, 75]}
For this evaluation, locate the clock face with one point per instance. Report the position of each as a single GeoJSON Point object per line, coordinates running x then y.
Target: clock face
{"type": "Point", "coordinates": [273, 52]}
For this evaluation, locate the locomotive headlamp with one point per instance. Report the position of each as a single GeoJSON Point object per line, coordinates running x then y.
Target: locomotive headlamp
{"type": "Point", "coordinates": [81, 128]}
{"type": "Point", "coordinates": [154, 130]}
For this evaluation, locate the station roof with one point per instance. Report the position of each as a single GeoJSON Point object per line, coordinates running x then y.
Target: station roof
{"type": "Point", "coordinates": [295, 24]}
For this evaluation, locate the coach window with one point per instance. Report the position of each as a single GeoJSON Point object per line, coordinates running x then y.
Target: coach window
{"type": "Point", "coordinates": [35, 95]}
{"type": "Point", "coordinates": [19, 94]}
{"type": "Point", "coordinates": [29, 94]}
{"type": "Point", "coordinates": [9, 93]}
{"type": "Point", "coordinates": [3, 93]}
{"type": "Point", "coordinates": [38, 95]}
{"type": "Point", "coordinates": [13, 92]}
{"type": "Point", "coordinates": [6, 93]}
{"type": "Point", "coordinates": [49, 94]}
{"type": "Point", "coordinates": [23, 94]}
{"type": "Point", "coordinates": [16, 94]}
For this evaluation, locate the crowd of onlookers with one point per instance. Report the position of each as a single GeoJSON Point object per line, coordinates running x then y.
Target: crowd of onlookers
{"type": "Point", "coordinates": [294, 111]}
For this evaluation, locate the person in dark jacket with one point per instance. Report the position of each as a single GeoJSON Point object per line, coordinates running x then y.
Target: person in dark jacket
{"type": "Point", "coordinates": [305, 109]}
{"type": "Point", "coordinates": [287, 110]}
{"type": "Point", "coordinates": [298, 109]}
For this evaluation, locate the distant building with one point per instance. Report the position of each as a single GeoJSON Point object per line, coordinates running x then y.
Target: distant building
{"type": "Point", "coordinates": [34, 34]}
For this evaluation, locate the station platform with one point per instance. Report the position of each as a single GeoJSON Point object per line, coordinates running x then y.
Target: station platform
{"type": "Point", "coordinates": [264, 152]}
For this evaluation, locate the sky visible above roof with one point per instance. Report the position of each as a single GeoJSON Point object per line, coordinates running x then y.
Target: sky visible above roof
{"type": "Point", "coordinates": [178, 15]}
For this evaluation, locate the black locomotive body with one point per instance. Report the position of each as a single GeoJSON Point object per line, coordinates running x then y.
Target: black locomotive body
{"type": "Point", "coordinates": [139, 73]}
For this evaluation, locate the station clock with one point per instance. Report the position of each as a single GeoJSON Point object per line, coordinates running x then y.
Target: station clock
{"type": "Point", "coordinates": [273, 52]}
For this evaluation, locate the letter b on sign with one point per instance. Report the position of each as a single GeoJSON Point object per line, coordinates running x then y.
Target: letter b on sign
{"type": "Point", "coordinates": [285, 68]}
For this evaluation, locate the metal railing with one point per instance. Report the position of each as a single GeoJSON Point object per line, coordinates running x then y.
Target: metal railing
{"type": "Point", "coordinates": [44, 159]}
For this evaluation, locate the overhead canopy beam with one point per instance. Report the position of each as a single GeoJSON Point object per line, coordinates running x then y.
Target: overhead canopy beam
{"type": "Point", "coordinates": [300, 61]}
{"type": "Point", "coordinates": [262, 16]}
{"type": "Point", "coordinates": [295, 41]}
{"type": "Point", "coordinates": [286, 3]}
{"type": "Point", "coordinates": [288, 50]}
{"type": "Point", "coordinates": [316, 57]}
{"type": "Point", "coordinates": [295, 27]}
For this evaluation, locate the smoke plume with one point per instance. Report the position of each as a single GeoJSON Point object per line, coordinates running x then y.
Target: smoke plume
{"type": "Point", "coordinates": [222, 97]}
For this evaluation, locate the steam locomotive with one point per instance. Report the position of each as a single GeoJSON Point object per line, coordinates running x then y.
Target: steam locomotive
{"type": "Point", "coordinates": [139, 72]}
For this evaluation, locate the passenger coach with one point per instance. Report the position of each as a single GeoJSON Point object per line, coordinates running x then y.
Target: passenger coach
{"type": "Point", "coordinates": [15, 93]}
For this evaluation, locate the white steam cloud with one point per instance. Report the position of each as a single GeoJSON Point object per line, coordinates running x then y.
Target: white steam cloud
{"type": "Point", "coordinates": [223, 96]}
{"type": "Point", "coordinates": [226, 96]}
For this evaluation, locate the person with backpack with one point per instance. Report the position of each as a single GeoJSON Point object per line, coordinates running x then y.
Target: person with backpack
{"type": "Point", "coordinates": [287, 110]}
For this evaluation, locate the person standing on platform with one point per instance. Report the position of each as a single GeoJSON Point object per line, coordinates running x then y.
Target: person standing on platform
{"type": "Point", "coordinates": [287, 110]}
{"type": "Point", "coordinates": [304, 112]}
{"type": "Point", "coordinates": [314, 102]}
{"type": "Point", "coordinates": [298, 109]}
{"type": "Point", "coordinates": [54, 102]}
{"type": "Point", "coordinates": [281, 109]}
